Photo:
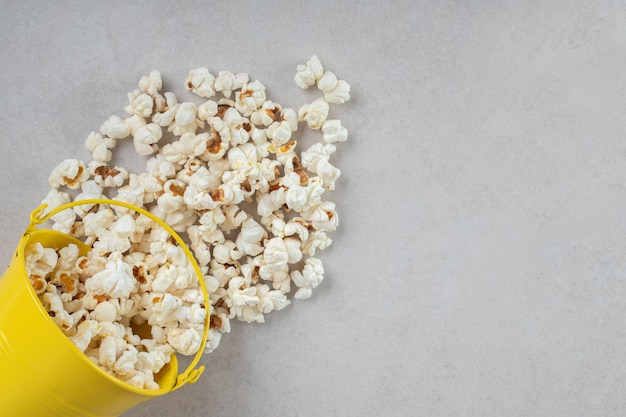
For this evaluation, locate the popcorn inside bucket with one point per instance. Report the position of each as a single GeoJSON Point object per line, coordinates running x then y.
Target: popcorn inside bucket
{"type": "Point", "coordinates": [130, 302]}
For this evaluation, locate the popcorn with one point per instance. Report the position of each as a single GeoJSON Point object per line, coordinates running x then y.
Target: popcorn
{"type": "Point", "coordinates": [229, 174]}
{"type": "Point", "coordinates": [310, 277]}
{"type": "Point", "coordinates": [201, 82]}
{"type": "Point", "coordinates": [226, 82]}
{"type": "Point", "coordinates": [308, 74]}
{"type": "Point", "coordinates": [151, 84]}
{"type": "Point", "coordinates": [70, 173]}
{"type": "Point", "coordinates": [314, 114]}
{"type": "Point", "coordinates": [146, 137]}
{"type": "Point", "coordinates": [115, 127]}
{"type": "Point", "coordinates": [105, 176]}
{"type": "Point", "coordinates": [115, 281]}
{"type": "Point", "coordinates": [140, 104]}
{"type": "Point", "coordinates": [334, 132]}
{"type": "Point", "coordinates": [335, 91]}
{"type": "Point", "coordinates": [340, 94]}
{"type": "Point", "coordinates": [250, 98]}
{"type": "Point", "coordinates": [250, 237]}
{"type": "Point", "coordinates": [316, 159]}
{"type": "Point", "coordinates": [100, 146]}
{"type": "Point", "coordinates": [101, 293]}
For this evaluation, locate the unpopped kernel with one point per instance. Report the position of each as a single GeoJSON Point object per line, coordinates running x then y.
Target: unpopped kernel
{"type": "Point", "coordinates": [224, 170]}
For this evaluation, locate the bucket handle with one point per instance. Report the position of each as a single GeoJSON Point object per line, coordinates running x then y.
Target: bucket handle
{"type": "Point", "coordinates": [191, 374]}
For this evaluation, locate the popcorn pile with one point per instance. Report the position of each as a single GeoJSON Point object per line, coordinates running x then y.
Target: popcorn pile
{"type": "Point", "coordinates": [225, 173]}
{"type": "Point", "coordinates": [99, 299]}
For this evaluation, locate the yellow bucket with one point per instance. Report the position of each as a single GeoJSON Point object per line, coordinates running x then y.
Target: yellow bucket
{"type": "Point", "coordinates": [42, 373]}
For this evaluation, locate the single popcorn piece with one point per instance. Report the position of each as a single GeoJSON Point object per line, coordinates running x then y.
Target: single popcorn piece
{"type": "Point", "coordinates": [140, 104]}
{"type": "Point", "coordinates": [100, 146]}
{"type": "Point", "coordinates": [227, 82]}
{"type": "Point", "coordinates": [308, 74]}
{"type": "Point", "coordinates": [115, 281]}
{"type": "Point", "coordinates": [307, 279]}
{"type": "Point", "coordinates": [250, 98]}
{"type": "Point", "coordinates": [70, 173]}
{"type": "Point", "coordinates": [151, 84]}
{"type": "Point", "coordinates": [201, 82]}
{"type": "Point", "coordinates": [115, 127]}
{"type": "Point", "coordinates": [334, 131]}
{"type": "Point", "coordinates": [146, 137]}
{"type": "Point", "coordinates": [314, 114]}
{"type": "Point", "coordinates": [340, 94]}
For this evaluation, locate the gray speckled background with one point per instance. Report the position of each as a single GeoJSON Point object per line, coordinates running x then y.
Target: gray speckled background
{"type": "Point", "coordinates": [480, 262]}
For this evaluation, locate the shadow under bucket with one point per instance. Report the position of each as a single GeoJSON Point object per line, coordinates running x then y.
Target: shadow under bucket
{"type": "Point", "coordinates": [42, 373]}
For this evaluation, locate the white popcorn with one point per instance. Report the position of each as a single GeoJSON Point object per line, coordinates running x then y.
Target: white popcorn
{"type": "Point", "coordinates": [164, 308]}
{"type": "Point", "coordinates": [104, 311]}
{"type": "Point", "coordinates": [125, 364]}
{"type": "Point", "coordinates": [267, 114]}
{"type": "Point", "coordinates": [54, 304]}
{"type": "Point", "coordinates": [134, 122]}
{"type": "Point", "coordinates": [279, 132]}
{"type": "Point", "coordinates": [207, 110]}
{"type": "Point", "coordinates": [115, 127]}
{"type": "Point", "coordinates": [235, 122]}
{"type": "Point", "coordinates": [115, 281]}
{"type": "Point", "coordinates": [269, 203]}
{"type": "Point", "coordinates": [89, 190]}
{"type": "Point", "coordinates": [296, 227]}
{"type": "Point", "coordinates": [107, 353]}
{"type": "Point", "coordinates": [166, 117]}
{"type": "Point", "coordinates": [317, 160]}
{"type": "Point", "coordinates": [55, 198]}
{"type": "Point", "coordinates": [226, 82]}
{"type": "Point", "coordinates": [188, 146]}
{"type": "Point", "coordinates": [310, 277]}
{"type": "Point", "coordinates": [250, 98]}
{"type": "Point", "coordinates": [185, 120]}
{"type": "Point", "coordinates": [333, 131]}
{"type": "Point", "coordinates": [140, 104]}
{"type": "Point", "coordinates": [186, 114]}
{"type": "Point", "coordinates": [160, 168]}
{"type": "Point", "coordinates": [308, 74]}
{"type": "Point", "coordinates": [146, 137]}
{"type": "Point", "coordinates": [185, 341]}
{"type": "Point", "coordinates": [105, 176]}
{"type": "Point", "coordinates": [226, 253]}
{"type": "Point", "coordinates": [224, 159]}
{"type": "Point", "coordinates": [100, 146]}
{"type": "Point", "coordinates": [250, 237]}
{"type": "Point", "coordinates": [98, 223]}
{"type": "Point", "coordinates": [340, 94]}
{"type": "Point", "coordinates": [152, 83]}
{"type": "Point", "coordinates": [322, 216]}
{"type": "Point", "coordinates": [270, 300]}
{"type": "Point", "coordinates": [275, 257]}
{"type": "Point", "coordinates": [70, 173]}
{"type": "Point", "coordinates": [85, 332]}
{"type": "Point", "coordinates": [65, 220]}
{"type": "Point", "coordinates": [299, 197]}
{"type": "Point", "coordinates": [201, 82]}
{"type": "Point", "coordinates": [314, 114]}
{"type": "Point", "coordinates": [327, 82]}
{"type": "Point", "coordinates": [290, 116]}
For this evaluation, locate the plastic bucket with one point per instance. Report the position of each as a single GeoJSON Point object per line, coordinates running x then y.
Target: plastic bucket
{"type": "Point", "coordinates": [42, 373]}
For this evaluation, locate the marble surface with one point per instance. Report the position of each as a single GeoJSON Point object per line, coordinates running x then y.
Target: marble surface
{"type": "Point", "coordinates": [479, 265]}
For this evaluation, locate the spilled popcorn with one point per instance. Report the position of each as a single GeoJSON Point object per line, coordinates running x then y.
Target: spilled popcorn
{"type": "Point", "coordinates": [225, 172]}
